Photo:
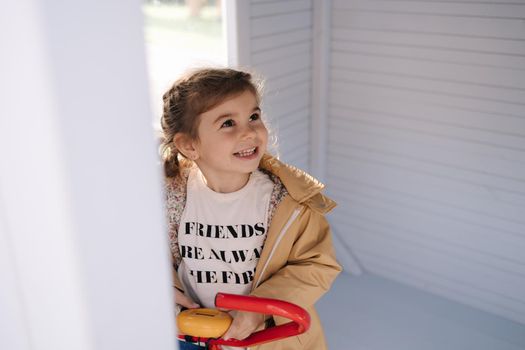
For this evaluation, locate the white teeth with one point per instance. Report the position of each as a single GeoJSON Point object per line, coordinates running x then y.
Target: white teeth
{"type": "Point", "coordinates": [246, 153]}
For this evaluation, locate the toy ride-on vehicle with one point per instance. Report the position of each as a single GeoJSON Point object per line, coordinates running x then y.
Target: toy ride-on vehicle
{"type": "Point", "coordinates": [203, 328]}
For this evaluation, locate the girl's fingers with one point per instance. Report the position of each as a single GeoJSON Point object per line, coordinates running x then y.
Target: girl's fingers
{"type": "Point", "coordinates": [244, 324]}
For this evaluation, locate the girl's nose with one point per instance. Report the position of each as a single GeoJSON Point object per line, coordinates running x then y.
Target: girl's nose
{"type": "Point", "coordinates": [248, 132]}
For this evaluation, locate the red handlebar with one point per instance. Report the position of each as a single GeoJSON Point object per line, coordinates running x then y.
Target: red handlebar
{"type": "Point", "coordinates": [300, 319]}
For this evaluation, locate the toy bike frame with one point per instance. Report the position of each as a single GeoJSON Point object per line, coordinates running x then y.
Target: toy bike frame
{"type": "Point", "coordinates": [300, 320]}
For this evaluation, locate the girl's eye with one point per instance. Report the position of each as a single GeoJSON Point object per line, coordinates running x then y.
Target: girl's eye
{"type": "Point", "coordinates": [227, 124]}
{"type": "Point", "coordinates": [255, 116]}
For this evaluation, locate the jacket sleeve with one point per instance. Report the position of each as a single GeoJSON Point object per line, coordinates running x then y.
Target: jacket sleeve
{"type": "Point", "coordinates": [175, 258]}
{"type": "Point", "coordinates": [311, 266]}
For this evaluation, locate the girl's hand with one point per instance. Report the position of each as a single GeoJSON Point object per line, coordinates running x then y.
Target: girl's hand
{"type": "Point", "coordinates": [244, 323]}
{"type": "Point", "coordinates": [185, 301]}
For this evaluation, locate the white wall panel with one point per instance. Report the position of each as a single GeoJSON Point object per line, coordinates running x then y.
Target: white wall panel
{"type": "Point", "coordinates": [410, 65]}
{"type": "Point", "coordinates": [437, 8]}
{"type": "Point", "coordinates": [507, 28]}
{"type": "Point", "coordinates": [499, 46]}
{"type": "Point", "coordinates": [285, 82]}
{"type": "Point", "coordinates": [280, 23]}
{"type": "Point", "coordinates": [278, 40]}
{"type": "Point", "coordinates": [280, 7]}
{"type": "Point", "coordinates": [431, 54]}
{"type": "Point", "coordinates": [426, 145]}
{"type": "Point", "coordinates": [280, 49]}
{"type": "Point", "coordinates": [279, 53]}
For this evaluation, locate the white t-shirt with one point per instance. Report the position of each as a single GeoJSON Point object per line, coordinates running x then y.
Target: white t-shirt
{"type": "Point", "coordinates": [221, 236]}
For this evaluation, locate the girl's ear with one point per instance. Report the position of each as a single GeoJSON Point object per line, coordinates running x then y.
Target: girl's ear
{"type": "Point", "coordinates": [186, 146]}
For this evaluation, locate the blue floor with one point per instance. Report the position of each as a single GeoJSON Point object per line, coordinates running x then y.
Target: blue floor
{"type": "Point", "coordinates": [372, 313]}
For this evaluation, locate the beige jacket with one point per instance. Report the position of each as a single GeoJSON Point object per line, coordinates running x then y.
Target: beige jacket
{"type": "Point", "coordinates": [298, 261]}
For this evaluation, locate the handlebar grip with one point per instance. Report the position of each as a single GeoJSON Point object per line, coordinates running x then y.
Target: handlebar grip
{"type": "Point", "coordinates": [300, 319]}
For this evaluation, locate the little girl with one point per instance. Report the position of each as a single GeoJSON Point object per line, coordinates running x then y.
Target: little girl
{"type": "Point", "coordinates": [240, 221]}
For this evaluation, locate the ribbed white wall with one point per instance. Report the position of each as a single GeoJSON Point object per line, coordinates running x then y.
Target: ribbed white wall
{"type": "Point", "coordinates": [280, 49]}
{"type": "Point", "coordinates": [426, 152]}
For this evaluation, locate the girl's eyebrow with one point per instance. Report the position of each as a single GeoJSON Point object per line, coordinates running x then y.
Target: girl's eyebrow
{"type": "Point", "coordinates": [221, 117]}
{"type": "Point", "coordinates": [228, 115]}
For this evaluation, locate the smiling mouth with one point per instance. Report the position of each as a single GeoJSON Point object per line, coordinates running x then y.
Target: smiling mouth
{"type": "Point", "coordinates": [246, 153]}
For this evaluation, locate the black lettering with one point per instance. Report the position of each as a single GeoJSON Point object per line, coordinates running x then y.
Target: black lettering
{"type": "Point", "coordinates": [211, 277]}
{"type": "Point", "coordinates": [247, 231]}
{"type": "Point", "coordinates": [232, 231]}
{"type": "Point", "coordinates": [223, 257]}
{"type": "Point", "coordinates": [209, 230]}
{"type": "Point", "coordinates": [198, 253]}
{"type": "Point", "coordinates": [237, 278]}
{"type": "Point", "coordinates": [239, 255]}
{"type": "Point", "coordinates": [214, 255]}
{"type": "Point", "coordinates": [219, 255]}
{"type": "Point", "coordinates": [229, 231]}
{"type": "Point", "coordinates": [189, 226]}
{"type": "Point", "coordinates": [259, 227]}
{"type": "Point", "coordinates": [197, 275]}
{"type": "Point", "coordinates": [204, 276]}
{"type": "Point", "coordinates": [200, 231]}
{"type": "Point", "coordinates": [220, 232]}
{"type": "Point", "coordinates": [191, 252]}
{"type": "Point", "coordinates": [222, 276]}
{"type": "Point", "coordinates": [226, 276]}
{"type": "Point", "coordinates": [247, 277]}
{"type": "Point", "coordinates": [185, 251]}
{"type": "Point", "coordinates": [256, 253]}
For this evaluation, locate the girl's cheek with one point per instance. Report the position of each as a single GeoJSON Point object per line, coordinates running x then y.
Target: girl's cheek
{"type": "Point", "coordinates": [262, 128]}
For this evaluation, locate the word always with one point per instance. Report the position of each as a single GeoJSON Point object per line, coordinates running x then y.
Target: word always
{"type": "Point", "coordinates": [233, 256]}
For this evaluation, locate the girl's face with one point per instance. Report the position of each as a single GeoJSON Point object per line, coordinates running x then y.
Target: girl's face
{"type": "Point", "coordinates": [232, 141]}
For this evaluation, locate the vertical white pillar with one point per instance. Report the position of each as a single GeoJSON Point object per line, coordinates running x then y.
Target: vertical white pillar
{"type": "Point", "coordinates": [236, 25]}
{"type": "Point", "coordinates": [13, 332]}
{"type": "Point", "coordinates": [84, 250]}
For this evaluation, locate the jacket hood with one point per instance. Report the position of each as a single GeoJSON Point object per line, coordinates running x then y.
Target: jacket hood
{"type": "Point", "coordinates": [301, 186]}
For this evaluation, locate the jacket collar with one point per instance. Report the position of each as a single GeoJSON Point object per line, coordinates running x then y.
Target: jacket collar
{"type": "Point", "coordinates": [302, 187]}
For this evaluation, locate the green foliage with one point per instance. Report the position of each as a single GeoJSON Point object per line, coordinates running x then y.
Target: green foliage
{"type": "Point", "coordinates": [171, 24]}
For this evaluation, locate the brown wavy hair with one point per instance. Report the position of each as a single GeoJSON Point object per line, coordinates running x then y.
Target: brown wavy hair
{"type": "Point", "coordinates": [193, 94]}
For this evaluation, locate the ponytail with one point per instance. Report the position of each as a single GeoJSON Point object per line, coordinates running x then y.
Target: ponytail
{"type": "Point", "coordinates": [170, 158]}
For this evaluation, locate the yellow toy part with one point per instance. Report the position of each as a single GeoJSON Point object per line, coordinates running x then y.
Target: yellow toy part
{"type": "Point", "coordinates": [206, 323]}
